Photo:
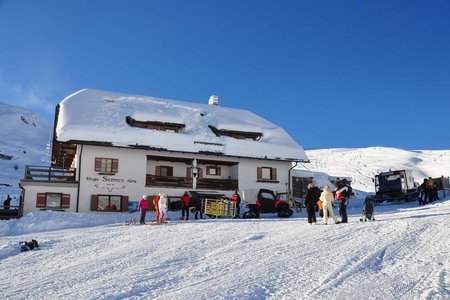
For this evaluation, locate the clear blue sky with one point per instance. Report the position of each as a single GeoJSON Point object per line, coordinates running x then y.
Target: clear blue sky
{"type": "Point", "coordinates": [331, 73]}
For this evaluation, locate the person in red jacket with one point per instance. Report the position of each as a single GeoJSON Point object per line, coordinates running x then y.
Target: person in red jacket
{"type": "Point", "coordinates": [144, 207]}
{"type": "Point", "coordinates": [237, 199]}
{"type": "Point", "coordinates": [185, 199]}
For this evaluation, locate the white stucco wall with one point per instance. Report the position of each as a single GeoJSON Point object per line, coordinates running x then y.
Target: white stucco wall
{"type": "Point", "coordinates": [248, 175]}
{"type": "Point", "coordinates": [128, 181]}
{"type": "Point", "coordinates": [33, 188]}
{"type": "Point", "coordinates": [131, 176]}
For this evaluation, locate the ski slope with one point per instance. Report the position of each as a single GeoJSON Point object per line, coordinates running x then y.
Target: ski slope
{"type": "Point", "coordinates": [404, 254]}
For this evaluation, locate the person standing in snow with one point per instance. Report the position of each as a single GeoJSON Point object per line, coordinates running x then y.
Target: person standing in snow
{"type": "Point", "coordinates": [144, 207]}
{"type": "Point", "coordinates": [155, 204]}
{"type": "Point", "coordinates": [337, 183]}
{"type": "Point", "coordinates": [185, 199]}
{"type": "Point", "coordinates": [327, 203]}
{"type": "Point", "coordinates": [196, 202]}
{"type": "Point", "coordinates": [432, 191]}
{"type": "Point", "coordinates": [237, 200]}
{"type": "Point", "coordinates": [425, 191]}
{"type": "Point", "coordinates": [7, 203]}
{"type": "Point", "coordinates": [343, 193]}
{"type": "Point", "coordinates": [312, 194]}
{"type": "Point", "coordinates": [163, 205]}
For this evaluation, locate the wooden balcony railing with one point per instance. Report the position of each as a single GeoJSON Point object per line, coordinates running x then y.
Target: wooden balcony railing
{"type": "Point", "coordinates": [168, 181]}
{"type": "Point", "coordinates": [217, 184]}
{"type": "Point", "coordinates": [186, 182]}
{"type": "Point", "coordinates": [39, 173]}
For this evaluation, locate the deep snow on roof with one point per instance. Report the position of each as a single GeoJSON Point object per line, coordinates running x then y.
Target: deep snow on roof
{"type": "Point", "coordinates": [100, 116]}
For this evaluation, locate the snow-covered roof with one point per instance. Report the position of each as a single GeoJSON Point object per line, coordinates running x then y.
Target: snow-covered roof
{"type": "Point", "coordinates": [99, 116]}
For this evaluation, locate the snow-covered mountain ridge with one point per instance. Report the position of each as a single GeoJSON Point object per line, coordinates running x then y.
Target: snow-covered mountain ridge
{"type": "Point", "coordinates": [24, 141]}
{"type": "Point", "coordinates": [363, 163]}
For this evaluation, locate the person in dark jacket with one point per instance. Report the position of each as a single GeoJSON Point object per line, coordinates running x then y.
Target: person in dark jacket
{"type": "Point", "coordinates": [312, 195]}
{"type": "Point", "coordinates": [344, 191]}
{"type": "Point", "coordinates": [185, 200]}
{"type": "Point", "coordinates": [426, 191]}
{"type": "Point", "coordinates": [237, 199]}
{"type": "Point", "coordinates": [7, 203]}
{"type": "Point", "coordinates": [196, 202]}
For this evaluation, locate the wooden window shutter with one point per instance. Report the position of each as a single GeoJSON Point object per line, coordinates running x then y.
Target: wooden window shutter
{"type": "Point", "coordinates": [189, 172]}
{"type": "Point", "coordinates": [259, 173]}
{"type": "Point", "coordinates": [98, 164]}
{"type": "Point", "coordinates": [65, 201]}
{"type": "Point", "coordinates": [94, 202]}
{"type": "Point", "coordinates": [273, 174]}
{"type": "Point", "coordinates": [170, 171]}
{"type": "Point", "coordinates": [124, 204]}
{"type": "Point", "coordinates": [40, 200]}
{"type": "Point", "coordinates": [218, 169]}
{"type": "Point", "coordinates": [158, 171]}
{"type": "Point", "coordinates": [115, 165]}
{"type": "Point", "coordinates": [200, 172]}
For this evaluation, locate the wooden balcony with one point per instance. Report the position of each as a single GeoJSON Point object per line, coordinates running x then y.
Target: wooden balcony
{"type": "Point", "coordinates": [54, 174]}
{"type": "Point", "coordinates": [168, 181]}
{"type": "Point", "coordinates": [217, 184]}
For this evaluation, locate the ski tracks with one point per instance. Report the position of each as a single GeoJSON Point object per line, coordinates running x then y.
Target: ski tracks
{"type": "Point", "coordinates": [392, 259]}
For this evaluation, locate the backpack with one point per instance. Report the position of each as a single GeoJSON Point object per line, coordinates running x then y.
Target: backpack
{"type": "Point", "coordinates": [347, 193]}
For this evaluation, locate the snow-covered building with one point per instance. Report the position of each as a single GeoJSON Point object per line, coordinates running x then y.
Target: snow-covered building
{"type": "Point", "coordinates": [111, 148]}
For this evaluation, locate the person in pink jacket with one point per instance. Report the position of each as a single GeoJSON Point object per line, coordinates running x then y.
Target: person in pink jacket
{"type": "Point", "coordinates": [144, 207]}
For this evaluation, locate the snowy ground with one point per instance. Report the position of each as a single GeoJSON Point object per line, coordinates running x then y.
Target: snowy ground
{"type": "Point", "coordinates": [404, 254]}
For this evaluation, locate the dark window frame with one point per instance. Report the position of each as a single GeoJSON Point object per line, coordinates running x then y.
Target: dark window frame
{"type": "Point", "coordinates": [272, 174]}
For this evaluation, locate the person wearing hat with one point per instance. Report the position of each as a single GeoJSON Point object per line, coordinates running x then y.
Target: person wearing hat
{"type": "Point", "coordinates": [144, 207]}
{"type": "Point", "coordinates": [312, 195]}
{"type": "Point", "coordinates": [237, 200]}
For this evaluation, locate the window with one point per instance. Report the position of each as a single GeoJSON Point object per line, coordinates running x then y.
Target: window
{"type": "Point", "coordinates": [240, 135]}
{"type": "Point", "coordinates": [53, 200]}
{"type": "Point", "coordinates": [165, 171]}
{"type": "Point", "coordinates": [267, 174]}
{"type": "Point", "coordinates": [106, 165]}
{"type": "Point", "coordinates": [109, 203]}
{"type": "Point", "coordinates": [213, 170]}
{"type": "Point", "coordinates": [156, 125]}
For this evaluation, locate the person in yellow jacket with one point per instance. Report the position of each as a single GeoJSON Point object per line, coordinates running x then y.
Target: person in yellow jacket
{"type": "Point", "coordinates": [327, 203]}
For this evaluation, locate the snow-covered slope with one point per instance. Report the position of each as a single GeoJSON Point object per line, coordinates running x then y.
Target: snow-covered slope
{"type": "Point", "coordinates": [404, 254]}
{"type": "Point", "coordinates": [363, 163]}
{"type": "Point", "coordinates": [24, 139]}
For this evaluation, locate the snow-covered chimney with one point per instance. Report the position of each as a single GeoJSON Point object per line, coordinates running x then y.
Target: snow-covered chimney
{"type": "Point", "coordinates": [213, 100]}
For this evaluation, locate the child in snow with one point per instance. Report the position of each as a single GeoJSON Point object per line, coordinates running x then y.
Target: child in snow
{"type": "Point", "coordinates": [163, 205]}
{"type": "Point", "coordinates": [155, 203]}
{"type": "Point", "coordinates": [26, 246]}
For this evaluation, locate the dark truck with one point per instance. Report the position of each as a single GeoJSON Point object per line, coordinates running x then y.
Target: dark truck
{"type": "Point", "coordinates": [394, 187]}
